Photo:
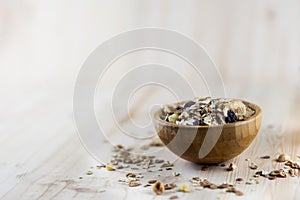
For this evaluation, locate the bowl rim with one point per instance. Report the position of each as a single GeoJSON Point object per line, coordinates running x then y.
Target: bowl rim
{"type": "Point", "coordinates": [256, 108]}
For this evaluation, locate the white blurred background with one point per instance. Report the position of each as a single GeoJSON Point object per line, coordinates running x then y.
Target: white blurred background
{"type": "Point", "coordinates": [255, 45]}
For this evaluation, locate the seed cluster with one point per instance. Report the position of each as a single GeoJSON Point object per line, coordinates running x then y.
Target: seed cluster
{"type": "Point", "coordinates": [196, 182]}
{"type": "Point", "coordinates": [123, 158]}
{"type": "Point", "coordinates": [206, 111]}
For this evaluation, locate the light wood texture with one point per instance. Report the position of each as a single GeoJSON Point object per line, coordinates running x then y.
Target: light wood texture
{"type": "Point", "coordinates": [254, 43]}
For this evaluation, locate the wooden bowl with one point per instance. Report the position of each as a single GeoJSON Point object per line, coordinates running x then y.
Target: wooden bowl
{"type": "Point", "coordinates": [223, 142]}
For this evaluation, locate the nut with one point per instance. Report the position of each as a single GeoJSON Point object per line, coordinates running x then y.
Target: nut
{"type": "Point", "coordinates": [283, 158]}
{"type": "Point", "coordinates": [158, 188]}
{"type": "Point", "coordinates": [173, 118]}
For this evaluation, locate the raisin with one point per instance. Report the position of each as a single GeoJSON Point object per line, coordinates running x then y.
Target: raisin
{"type": "Point", "coordinates": [201, 122]}
{"type": "Point", "coordinates": [188, 104]}
{"type": "Point", "coordinates": [198, 122]}
{"type": "Point", "coordinates": [231, 117]}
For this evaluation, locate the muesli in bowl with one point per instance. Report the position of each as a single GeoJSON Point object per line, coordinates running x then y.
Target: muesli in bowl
{"type": "Point", "coordinates": [206, 111]}
{"type": "Point", "coordinates": [206, 130]}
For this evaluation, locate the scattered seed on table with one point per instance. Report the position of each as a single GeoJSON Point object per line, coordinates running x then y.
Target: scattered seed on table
{"type": "Point", "coordinates": [253, 166]}
{"type": "Point", "coordinates": [152, 181]}
{"type": "Point", "coordinates": [239, 179]}
{"type": "Point", "coordinates": [265, 157]}
{"type": "Point", "coordinates": [89, 172]}
{"type": "Point", "coordinates": [134, 184]}
{"type": "Point", "coordinates": [231, 167]}
{"type": "Point", "coordinates": [176, 174]}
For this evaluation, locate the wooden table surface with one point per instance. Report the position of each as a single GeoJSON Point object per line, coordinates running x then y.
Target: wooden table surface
{"type": "Point", "coordinates": [255, 45]}
{"type": "Point", "coordinates": [48, 165]}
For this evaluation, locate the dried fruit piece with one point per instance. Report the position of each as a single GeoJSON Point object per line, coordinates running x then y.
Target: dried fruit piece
{"type": "Point", "coordinates": [158, 188]}
{"type": "Point", "coordinates": [188, 104]}
{"type": "Point", "coordinates": [231, 117]}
